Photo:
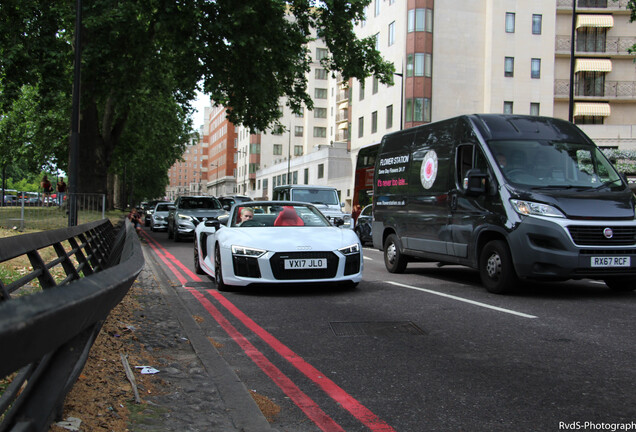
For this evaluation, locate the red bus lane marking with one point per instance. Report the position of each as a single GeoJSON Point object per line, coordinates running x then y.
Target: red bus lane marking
{"type": "Point", "coordinates": [359, 411]}
{"type": "Point", "coordinates": [304, 402]}
{"type": "Point", "coordinates": [165, 255]}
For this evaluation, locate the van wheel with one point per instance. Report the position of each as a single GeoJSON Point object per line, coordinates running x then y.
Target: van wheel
{"type": "Point", "coordinates": [496, 269]}
{"type": "Point", "coordinates": [620, 284]}
{"type": "Point", "coordinates": [394, 261]}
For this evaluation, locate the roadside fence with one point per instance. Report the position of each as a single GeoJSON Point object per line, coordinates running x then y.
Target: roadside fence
{"type": "Point", "coordinates": [38, 213]}
{"type": "Point", "coordinates": [50, 316]}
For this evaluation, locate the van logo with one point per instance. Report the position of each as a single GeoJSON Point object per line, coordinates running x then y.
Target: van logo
{"type": "Point", "coordinates": [608, 233]}
{"type": "Point", "coordinates": [428, 172]}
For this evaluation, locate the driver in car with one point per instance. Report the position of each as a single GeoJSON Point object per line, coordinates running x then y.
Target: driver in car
{"type": "Point", "coordinates": [247, 214]}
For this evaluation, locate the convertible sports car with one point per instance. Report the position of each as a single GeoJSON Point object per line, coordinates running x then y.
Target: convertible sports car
{"type": "Point", "coordinates": [276, 242]}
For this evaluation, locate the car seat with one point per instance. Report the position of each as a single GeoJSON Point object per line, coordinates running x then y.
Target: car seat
{"type": "Point", "coordinates": [288, 217]}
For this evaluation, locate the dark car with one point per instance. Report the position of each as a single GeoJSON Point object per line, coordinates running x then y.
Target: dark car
{"type": "Point", "coordinates": [228, 201]}
{"type": "Point", "coordinates": [189, 211]}
{"type": "Point", "coordinates": [363, 225]}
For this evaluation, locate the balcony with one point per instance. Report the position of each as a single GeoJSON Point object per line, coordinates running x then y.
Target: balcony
{"type": "Point", "coordinates": [342, 116]}
{"type": "Point", "coordinates": [615, 45]}
{"type": "Point", "coordinates": [343, 95]}
{"type": "Point", "coordinates": [593, 4]}
{"type": "Point", "coordinates": [342, 135]}
{"type": "Point", "coordinates": [612, 90]}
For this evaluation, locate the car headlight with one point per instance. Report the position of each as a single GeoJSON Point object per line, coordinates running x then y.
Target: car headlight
{"type": "Point", "coordinates": [247, 252]}
{"type": "Point", "coordinates": [528, 208]}
{"type": "Point", "coordinates": [186, 217]}
{"type": "Point", "coordinates": [350, 250]}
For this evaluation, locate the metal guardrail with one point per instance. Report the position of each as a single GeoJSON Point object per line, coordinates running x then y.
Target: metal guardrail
{"type": "Point", "coordinates": [46, 336]}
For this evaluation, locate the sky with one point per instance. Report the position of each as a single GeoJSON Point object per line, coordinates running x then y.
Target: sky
{"type": "Point", "coordinates": [200, 104]}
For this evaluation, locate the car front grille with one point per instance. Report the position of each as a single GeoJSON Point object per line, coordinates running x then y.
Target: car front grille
{"type": "Point", "coordinates": [277, 263]}
{"type": "Point", "coordinates": [593, 235]}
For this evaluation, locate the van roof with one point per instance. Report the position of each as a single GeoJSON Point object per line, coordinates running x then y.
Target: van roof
{"type": "Point", "coordinates": [502, 126]}
{"type": "Point", "coordinates": [297, 186]}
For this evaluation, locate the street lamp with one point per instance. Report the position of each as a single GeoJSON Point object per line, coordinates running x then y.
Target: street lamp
{"type": "Point", "coordinates": [245, 167]}
{"type": "Point", "coordinates": [572, 61]}
{"type": "Point", "coordinates": [401, 98]}
{"type": "Point", "coordinates": [216, 181]}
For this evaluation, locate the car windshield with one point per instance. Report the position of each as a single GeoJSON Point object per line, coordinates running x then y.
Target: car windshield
{"type": "Point", "coordinates": [277, 215]}
{"type": "Point", "coordinates": [315, 196]}
{"type": "Point", "coordinates": [162, 207]}
{"type": "Point", "coordinates": [554, 164]}
{"type": "Point", "coordinates": [200, 203]}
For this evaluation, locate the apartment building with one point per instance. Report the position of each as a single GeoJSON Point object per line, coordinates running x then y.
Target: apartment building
{"type": "Point", "coordinates": [451, 58]}
{"type": "Point", "coordinates": [189, 175]}
{"type": "Point", "coordinates": [604, 75]}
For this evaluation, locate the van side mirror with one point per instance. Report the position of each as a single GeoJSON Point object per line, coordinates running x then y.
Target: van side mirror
{"type": "Point", "coordinates": [475, 182]}
{"type": "Point", "coordinates": [338, 221]}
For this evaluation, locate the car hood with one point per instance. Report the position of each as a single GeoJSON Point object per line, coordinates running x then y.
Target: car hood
{"type": "Point", "coordinates": [290, 239]}
{"type": "Point", "coordinates": [201, 213]}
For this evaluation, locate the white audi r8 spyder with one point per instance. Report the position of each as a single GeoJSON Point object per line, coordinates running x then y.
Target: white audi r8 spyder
{"type": "Point", "coordinates": [276, 242]}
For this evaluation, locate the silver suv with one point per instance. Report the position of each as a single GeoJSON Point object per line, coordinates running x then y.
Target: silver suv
{"type": "Point", "coordinates": [324, 198]}
{"type": "Point", "coordinates": [188, 211]}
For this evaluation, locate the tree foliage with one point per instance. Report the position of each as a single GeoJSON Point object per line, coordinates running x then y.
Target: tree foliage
{"type": "Point", "coordinates": [142, 62]}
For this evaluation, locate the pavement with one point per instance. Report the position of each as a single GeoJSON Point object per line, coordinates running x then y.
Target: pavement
{"type": "Point", "coordinates": [203, 393]}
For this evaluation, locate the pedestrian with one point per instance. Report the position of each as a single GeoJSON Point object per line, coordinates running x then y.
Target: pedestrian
{"type": "Point", "coordinates": [135, 218]}
{"type": "Point", "coordinates": [61, 191]}
{"type": "Point", "coordinates": [45, 184]}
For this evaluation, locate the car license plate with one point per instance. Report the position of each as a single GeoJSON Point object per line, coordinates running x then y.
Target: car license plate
{"type": "Point", "coordinates": [611, 261]}
{"type": "Point", "coordinates": [305, 264]}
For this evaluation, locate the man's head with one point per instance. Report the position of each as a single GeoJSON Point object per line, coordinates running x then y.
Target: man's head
{"type": "Point", "coordinates": [247, 213]}
{"type": "Point", "coordinates": [501, 160]}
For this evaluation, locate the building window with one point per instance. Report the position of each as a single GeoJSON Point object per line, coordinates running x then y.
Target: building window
{"type": "Point", "coordinates": [298, 131]}
{"type": "Point", "coordinates": [429, 20]}
{"type": "Point", "coordinates": [389, 116]}
{"type": "Point", "coordinates": [321, 170]}
{"type": "Point", "coordinates": [416, 20]}
{"type": "Point", "coordinates": [409, 65]}
{"type": "Point", "coordinates": [590, 84]}
{"type": "Point", "coordinates": [362, 90]}
{"type": "Point", "coordinates": [418, 110]}
{"type": "Point", "coordinates": [376, 85]}
{"type": "Point", "coordinates": [507, 108]}
{"type": "Point", "coordinates": [374, 122]}
{"type": "Point", "coordinates": [598, 120]}
{"type": "Point", "coordinates": [510, 22]}
{"type": "Point", "coordinates": [295, 177]}
{"type": "Point", "coordinates": [535, 68]}
{"type": "Point", "coordinates": [306, 176]}
{"type": "Point", "coordinates": [536, 24]}
{"type": "Point", "coordinates": [377, 41]}
{"type": "Point", "coordinates": [409, 110]}
{"type": "Point", "coordinates": [321, 93]}
{"type": "Point", "coordinates": [321, 74]}
{"type": "Point", "coordinates": [278, 149]}
{"type": "Point", "coordinates": [423, 65]}
{"type": "Point", "coordinates": [428, 65]}
{"type": "Point", "coordinates": [321, 53]}
{"type": "Point", "coordinates": [509, 67]}
{"type": "Point", "coordinates": [298, 150]}
{"type": "Point", "coordinates": [392, 33]}
{"type": "Point", "coordinates": [320, 112]}
{"type": "Point", "coordinates": [534, 108]}
{"type": "Point", "coordinates": [377, 7]}
{"type": "Point", "coordinates": [591, 39]}
{"type": "Point", "coordinates": [320, 132]}
{"type": "Point", "coordinates": [360, 127]}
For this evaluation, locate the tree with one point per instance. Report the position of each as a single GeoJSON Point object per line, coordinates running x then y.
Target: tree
{"type": "Point", "coordinates": [248, 55]}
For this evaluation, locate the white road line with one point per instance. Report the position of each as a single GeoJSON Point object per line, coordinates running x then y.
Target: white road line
{"type": "Point", "coordinates": [463, 300]}
{"type": "Point", "coordinates": [367, 258]}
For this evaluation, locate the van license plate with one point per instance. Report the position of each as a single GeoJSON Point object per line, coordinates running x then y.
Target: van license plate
{"type": "Point", "coordinates": [611, 261]}
{"type": "Point", "coordinates": [304, 264]}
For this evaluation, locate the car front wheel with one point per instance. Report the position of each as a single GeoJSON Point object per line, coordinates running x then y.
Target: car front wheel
{"type": "Point", "coordinates": [218, 272]}
{"type": "Point", "coordinates": [197, 264]}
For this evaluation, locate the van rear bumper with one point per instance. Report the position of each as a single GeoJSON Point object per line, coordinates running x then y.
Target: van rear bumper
{"type": "Point", "coordinates": [543, 249]}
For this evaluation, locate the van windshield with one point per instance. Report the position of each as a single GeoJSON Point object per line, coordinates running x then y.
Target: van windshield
{"type": "Point", "coordinates": [542, 164]}
{"type": "Point", "coordinates": [315, 196]}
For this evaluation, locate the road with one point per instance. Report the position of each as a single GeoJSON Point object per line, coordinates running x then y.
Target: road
{"type": "Point", "coordinates": [428, 350]}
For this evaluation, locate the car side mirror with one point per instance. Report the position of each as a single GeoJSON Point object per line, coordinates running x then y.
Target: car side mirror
{"type": "Point", "coordinates": [213, 223]}
{"type": "Point", "coordinates": [226, 207]}
{"type": "Point", "coordinates": [475, 182]}
{"type": "Point", "coordinates": [338, 222]}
